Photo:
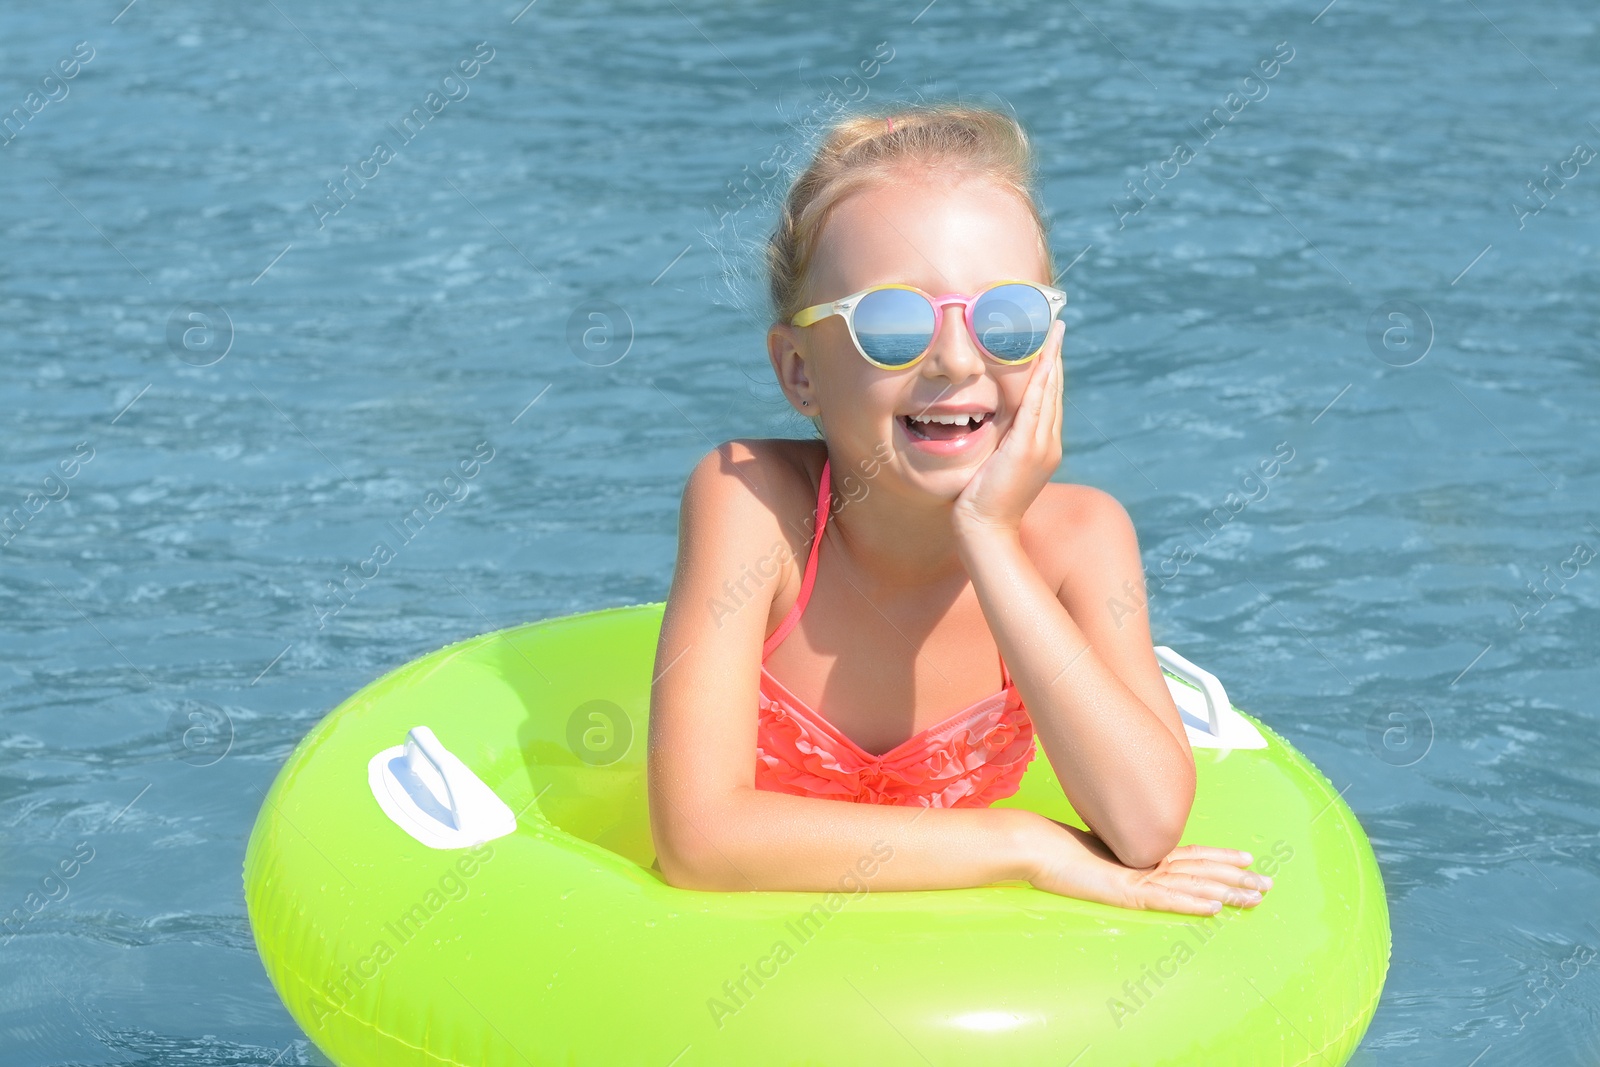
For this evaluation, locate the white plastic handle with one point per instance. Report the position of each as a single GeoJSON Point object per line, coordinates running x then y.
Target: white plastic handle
{"type": "Point", "coordinates": [1217, 703]}
{"type": "Point", "coordinates": [428, 792]}
{"type": "Point", "coordinates": [425, 762]}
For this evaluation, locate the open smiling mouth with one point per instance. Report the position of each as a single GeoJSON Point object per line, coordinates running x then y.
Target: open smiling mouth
{"type": "Point", "coordinates": [943, 427]}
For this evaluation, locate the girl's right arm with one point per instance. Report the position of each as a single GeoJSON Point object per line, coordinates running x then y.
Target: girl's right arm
{"type": "Point", "coordinates": [711, 827]}
{"type": "Point", "coordinates": [1191, 879]}
{"type": "Point", "coordinates": [713, 830]}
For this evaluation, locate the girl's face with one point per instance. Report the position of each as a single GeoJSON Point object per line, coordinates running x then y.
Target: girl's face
{"type": "Point", "coordinates": [942, 235]}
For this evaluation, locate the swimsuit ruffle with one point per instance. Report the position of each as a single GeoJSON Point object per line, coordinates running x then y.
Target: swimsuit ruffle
{"type": "Point", "coordinates": [957, 767]}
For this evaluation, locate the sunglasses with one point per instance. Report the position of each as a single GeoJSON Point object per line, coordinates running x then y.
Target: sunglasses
{"type": "Point", "coordinates": [894, 326]}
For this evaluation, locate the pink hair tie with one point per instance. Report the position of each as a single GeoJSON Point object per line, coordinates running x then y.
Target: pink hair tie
{"type": "Point", "coordinates": [891, 125]}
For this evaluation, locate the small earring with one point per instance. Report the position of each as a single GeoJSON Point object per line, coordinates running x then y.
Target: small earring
{"type": "Point", "coordinates": [805, 403]}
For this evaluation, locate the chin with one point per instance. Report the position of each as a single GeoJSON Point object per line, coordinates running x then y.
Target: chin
{"type": "Point", "coordinates": [942, 478]}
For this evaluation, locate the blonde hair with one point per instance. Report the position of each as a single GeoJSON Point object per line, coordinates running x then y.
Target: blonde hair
{"type": "Point", "coordinates": [868, 147]}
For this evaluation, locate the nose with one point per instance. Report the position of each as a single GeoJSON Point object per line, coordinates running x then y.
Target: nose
{"type": "Point", "coordinates": [953, 355]}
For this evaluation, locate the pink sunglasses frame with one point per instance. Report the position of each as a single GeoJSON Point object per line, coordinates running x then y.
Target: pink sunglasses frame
{"type": "Point", "coordinates": [846, 306]}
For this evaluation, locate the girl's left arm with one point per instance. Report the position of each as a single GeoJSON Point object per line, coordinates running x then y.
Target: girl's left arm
{"type": "Point", "coordinates": [1087, 675]}
{"type": "Point", "coordinates": [1093, 689]}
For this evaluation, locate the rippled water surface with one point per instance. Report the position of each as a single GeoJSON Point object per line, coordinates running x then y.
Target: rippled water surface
{"type": "Point", "coordinates": [166, 624]}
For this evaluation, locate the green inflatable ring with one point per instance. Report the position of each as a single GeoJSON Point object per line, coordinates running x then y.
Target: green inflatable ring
{"type": "Point", "coordinates": [557, 943]}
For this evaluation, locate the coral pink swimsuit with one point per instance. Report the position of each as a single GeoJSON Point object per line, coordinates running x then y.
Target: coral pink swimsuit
{"type": "Point", "coordinates": [970, 760]}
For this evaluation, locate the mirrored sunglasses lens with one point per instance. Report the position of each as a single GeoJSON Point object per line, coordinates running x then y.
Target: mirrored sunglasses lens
{"type": "Point", "coordinates": [1012, 321]}
{"type": "Point", "coordinates": [894, 326]}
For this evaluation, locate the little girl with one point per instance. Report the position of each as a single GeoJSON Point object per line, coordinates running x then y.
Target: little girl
{"type": "Point", "coordinates": [837, 600]}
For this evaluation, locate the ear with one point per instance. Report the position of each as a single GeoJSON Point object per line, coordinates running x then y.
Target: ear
{"type": "Point", "coordinates": [789, 364]}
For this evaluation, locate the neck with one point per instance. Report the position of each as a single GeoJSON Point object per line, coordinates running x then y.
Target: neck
{"type": "Point", "coordinates": [902, 539]}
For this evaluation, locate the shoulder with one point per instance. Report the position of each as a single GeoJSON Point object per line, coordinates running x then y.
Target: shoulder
{"type": "Point", "coordinates": [1084, 509]}
{"type": "Point", "coordinates": [758, 468]}
{"type": "Point", "coordinates": [759, 485]}
{"type": "Point", "coordinates": [1078, 531]}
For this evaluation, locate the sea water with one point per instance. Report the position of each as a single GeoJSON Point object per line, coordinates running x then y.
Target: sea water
{"type": "Point", "coordinates": [321, 352]}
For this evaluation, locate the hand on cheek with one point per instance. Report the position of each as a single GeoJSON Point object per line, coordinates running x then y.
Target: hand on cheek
{"type": "Point", "coordinates": [1008, 482]}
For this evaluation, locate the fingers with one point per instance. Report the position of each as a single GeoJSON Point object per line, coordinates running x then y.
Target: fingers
{"type": "Point", "coordinates": [1052, 340]}
{"type": "Point", "coordinates": [1159, 897]}
{"type": "Point", "coordinates": [1060, 383]}
{"type": "Point", "coordinates": [1046, 373]}
{"type": "Point", "coordinates": [1211, 895]}
{"type": "Point", "coordinates": [1196, 885]}
{"type": "Point", "coordinates": [1199, 879]}
{"type": "Point", "coordinates": [1046, 405]}
{"type": "Point", "coordinates": [1053, 434]}
{"type": "Point", "coordinates": [1222, 873]}
{"type": "Point", "coordinates": [1025, 425]}
{"type": "Point", "coordinates": [1206, 852]}
{"type": "Point", "coordinates": [1038, 380]}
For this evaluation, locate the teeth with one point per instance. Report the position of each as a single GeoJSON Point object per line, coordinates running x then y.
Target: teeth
{"type": "Point", "coordinates": [948, 420]}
